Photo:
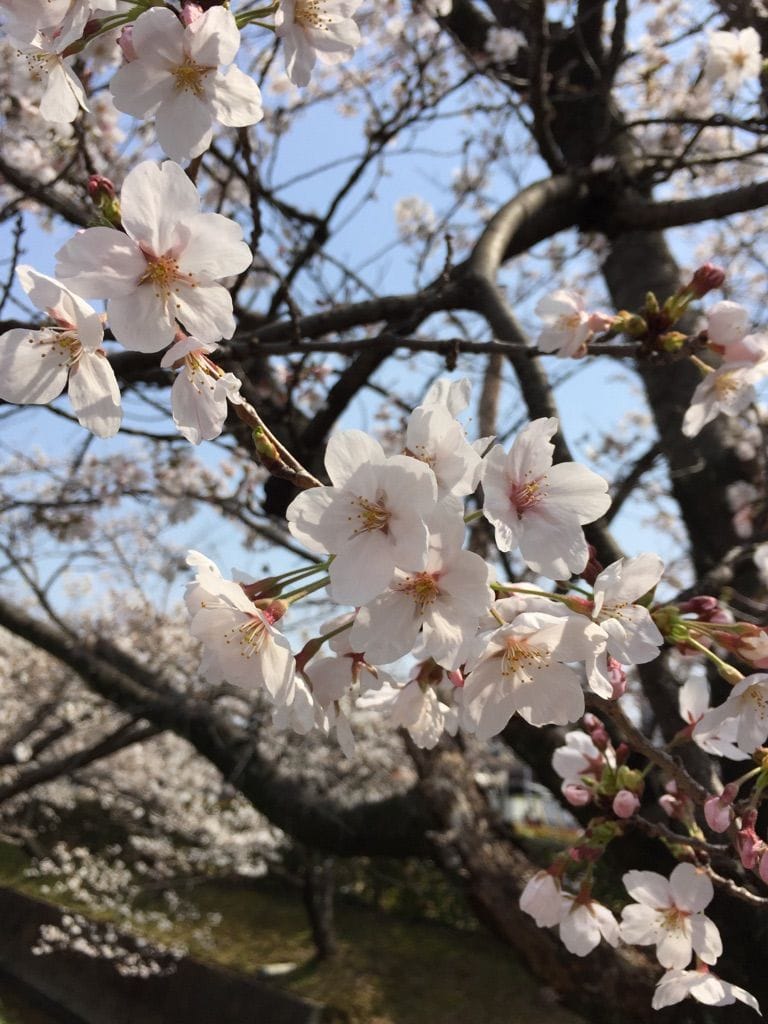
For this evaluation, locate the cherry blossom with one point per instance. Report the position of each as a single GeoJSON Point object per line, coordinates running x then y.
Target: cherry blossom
{"type": "Point", "coordinates": [568, 324]}
{"type": "Point", "coordinates": [542, 507]}
{"type": "Point", "coordinates": [25, 18]}
{"type": "Point", "coordinates": [520, 668]}
{"type": "Point", "coordinates": [727, 324]}
{"type": "Point", "coordinates": [733, 57]}
{"type": "Point", "coordinates": [372, 519]}
{"type": "Point", "coordinates": [668, 914]}
{"type": "Point", "coordinates": [729, 389]}
{"type": "Point", "coordinates": [63, 95]}
{"type": "Point", "coordinates": [201, 390]}
{"type": "Point", "coordinates": [503, 44]}
{"type": "Point", "coordinates": [165, 265]}
{"type": "Point", "coordinates": [747, 703]}
{"type": "Point", "coordinates": [175, 77]}
{"type": "Point", "coordinates": [542, 899]}
{"type": "Point", "coordinates": [312, 29]}
{"type": "Point", "coordinates": [445, 599]}
{"type": "Point", "coordinates": [241, 643]}
{"type": "Point", "coordinates": [632, 636]}
{"type": "Point", "coordinates": [701, 985]}
{"type": "Point", "coordinates": [584, 922]}
{"type": "Point", "coordinates": [434, 437]}
{"type": "Point", "coordinates": [36, 366]}
{"type": "Point", "coordinates": [720, 740]}
{"type": "Point", "coordinates": [416, 707]}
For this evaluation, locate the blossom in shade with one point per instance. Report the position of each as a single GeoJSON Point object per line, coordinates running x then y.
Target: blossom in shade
{"type": "Point", "coordinates": [727, 324]}
{"type": "Point", "coordinates": [23, 19]}
{"type": "Point", "coordinates": [503, 44]}
{"type": "Point", "coordinates": [668, 914]}
{"type": "Point", "coordinates": [733, 57]}
{"type": "Point", "coordinates": [36, 366]}
{"type": "Point", "coordinates": [701, 985]}
{"type": "Point", "coordinates": [201, 390]}
{"type": "Point", "coordinates": [372, 518]}
{"type": "Point", "coordinates": [163, 267]}
{"type": "Point", "coordinates": [540, 507]}
{"type": "Point", "coordinates": [720, 739]}
{"type": "Point", "coordinates": [312, 29]}
{"type": "Point", "coordinates": [175, 77]}
{"type": "Point", "coordinates": [542, 899]}
{"type": "Point", "coordinates": [584, 922]}
{"type": "Point", "coordinates": [240, 641]}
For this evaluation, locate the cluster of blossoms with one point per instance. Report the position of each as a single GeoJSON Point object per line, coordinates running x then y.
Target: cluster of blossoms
{"type": "Point", "coordinates": [740, 358]}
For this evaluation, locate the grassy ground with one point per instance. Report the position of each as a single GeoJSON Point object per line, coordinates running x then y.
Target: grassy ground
{"type": "Point", "coordinates": [389, 969]}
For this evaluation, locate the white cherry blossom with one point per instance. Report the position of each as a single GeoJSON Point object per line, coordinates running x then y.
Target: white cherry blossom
{"type": "Point", "coordinates": [729, 389]}
{"type": "Point", "coordinates": [434, 437]}
{"type": "Point", "coordinates": [542, 899]}
{"type": "Point", "coordinates": [415, 706]}
{"type": "Point", "coordinates": [241, 644]}
{"type": "Point", "coordinates": [632, 637]}
{"type": "Point", "coordinates": [201, 390]}
{"type": "Point", "coordinates": [701, 985]}
{"type": "Point", "coordinates": [540, 507]}
{"type": "Point", "coordinates": [733, 57]}
{"type": "Point", "coordinates": [747, 704]}
{"type": "Point", "coordinates": [372, 519]}
{"type": "Point", "coordinates": [176, 78]}
{"type": "Point", "coordinates": [163, 267]}
{"type": "Point", "coordinates": [63, 94]}
{"type": "Point", "coordinates": [36, 366]}
{"type": "Point", "coordinates": [693, 702]}
{"type": "Point", "coordinates": [520, 667]}
{"type": "Point", "coordinates": [578, 757]}
{"type": "Point", "coordinates": [23, 19]}
{"type": "Point", "coordinates": [312, 29]}
{"type": "Point", "coordinates": [569, 326]}
{"type": "Point", "coordinates": [584, 922]}
{"type": "Point", "coordinates": [727, 324]}
{"type": "Point", "coordinates": [444, 599]}
{"type": "Point", "coordinates": [668, 914]}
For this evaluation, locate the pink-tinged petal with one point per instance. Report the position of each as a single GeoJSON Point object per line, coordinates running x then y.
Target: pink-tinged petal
{"type": "Point", "coordinates": [629, 579]}
{"type": "Point", "coordinates": [727, 323]}
{"type": "Point", "coordinates": [577, 489]}
{"type": "Point", "coordinates": [62, 305]}
{"type": "Point", "coordinates": [141, 321]}
{"type": "Point", "coordinates": [236, 98]}
{"type": "Point", "coordinates": [640, 925]}
{"type": "Point", "coordinates": [214, 247]}
{"type": "Point", "coordinates": [554, 697]}
{"type": "Point", "coordinates": [691, 888]}
{"type": "Point", "coordinates": [183, 125]}
{"type": "Point", "coordinates": [32, 371]}
{"type": "Point", "coordinates": [138, 88]}
{"type": "Point", "coordinates": [541, 899]}
{"type": "Point", "coordinates": [350, 585]}
{"type": "Point", "coordinates": [674, 946]}
{"type": "Point", "coordinates": [205, 310]}
{"type": "Point", "coordinates": [158, 37]}
{"type": "Point", "coordinates": [386, 628]}
{"type": "Point", "coordinates": [94, 395]}
{"type": "Point", "coordinates": [198, 412]}
{"type": "Point", "coordinates": [277, 666]}
{"type": "Point", "coordinates": [214, 38]}
{"type": "Point", "coordinates": [155, 202]}
{"type": "Point", "coordinates": [100, 263]}
{"type": "Point", "coordinates": [553, 545]}
{"type": "Point", "coordinates": [347, 451]}
{"type": "Point", "coordinates": [706, 939]}
{"type": "Point", "coordinates": [648, 888]}
{"type": "Point", "coordinates": [579, 931]}
{"type": "Point", "coordinates": [532, 450]}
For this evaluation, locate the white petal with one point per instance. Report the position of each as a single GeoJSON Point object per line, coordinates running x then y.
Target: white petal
{"type": "Point", "coordinates": [94, 395]}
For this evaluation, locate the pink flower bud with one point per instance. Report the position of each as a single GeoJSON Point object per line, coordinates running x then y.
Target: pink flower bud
{"type": "Point", "coordinates": [625, 804]}
{"type": "Point", "coordinates": [718, 814]}
{"type": "Point", "coordinates": [455, 677]}
{"type": "Point", "coordinates": [762, 868]}
{"type": "Point", "coordinates": [617, 677]}
{"type": "Point", "coordinates": [705, 279]}
{"type": "Point", "coordinates": [670, 805]}
{"type": "Point", "coordinates": [600, 738]}
{"type": "Point", "coordinates": [702, 605]}
{"type": "Point", "coordinates": [591, 721]}
{"type": "Point", "coordinates": [191, 12]}
{"type": "Point", "coordinates": [99, 186]}
{"type": "Point", "coordinates": [125, 42]}
{"type": "Point", "coordinates": [577, 796]}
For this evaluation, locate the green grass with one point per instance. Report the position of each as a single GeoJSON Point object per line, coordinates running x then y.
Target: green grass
{"type": "Point", "coordinates": [390, 969]}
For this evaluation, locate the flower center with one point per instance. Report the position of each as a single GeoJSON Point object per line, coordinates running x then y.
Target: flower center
{"type": "Point", "coordinates": [371, 516]}
{"type": "Point", "coordinates": [253, 636]}
{"type": "Point", "coordinates": [758, 698]}
{"type": "Point", "coordinates": [526, 494]}
{"type": "Point", "coordinates": [161, 272]}
{"type": "Point", "coordinates": [189, 77]}
{"type": "Point", "coordinates": [726, 385]}
{"type": "Point", "coordinates": [673, 919]}
{"type": "Point", "coordinates": [59, 343]}
{"type": "Point", "coordinates": [422, 587]}
{"type": "Point", "coordinates": [310, 14]}
{"type": "Point", "coordinates": [519, 656]}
